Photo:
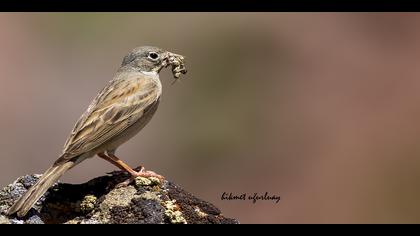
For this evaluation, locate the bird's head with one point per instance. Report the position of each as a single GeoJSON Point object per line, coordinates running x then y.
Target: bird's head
{"type": "Point", "coordinates": [153, 59]}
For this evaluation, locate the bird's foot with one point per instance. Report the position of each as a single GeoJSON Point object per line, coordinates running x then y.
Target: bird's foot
{"type": "Point", "coordinates": [139, 172]}
{"type": "Point", "coordinates": [147, 174]}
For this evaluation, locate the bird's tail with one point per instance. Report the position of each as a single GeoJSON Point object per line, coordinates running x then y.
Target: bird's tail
{"type": "Point", "coordinates": [26, 201]}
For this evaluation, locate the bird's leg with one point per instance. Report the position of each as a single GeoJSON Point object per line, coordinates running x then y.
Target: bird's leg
{"type": "Point", "coordinates": [123, 166]}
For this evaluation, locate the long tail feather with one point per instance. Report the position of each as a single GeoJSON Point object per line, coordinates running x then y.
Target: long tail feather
{"type": "Point", "coordinates": [26, 201]}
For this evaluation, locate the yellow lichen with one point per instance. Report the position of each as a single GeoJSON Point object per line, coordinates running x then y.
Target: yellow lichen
{"type": "Point", "coordinates": [155, 180]}
{"type": "Point", "coordinates": [149, 196]}
{"type": "Point", "coordinates": [173, 213]}
{"type": "Point", "coordinates": [88, 203]}
{"type": "Point", "coordinates": [117, 197]}
{"type": "Point", "coordinates": [142, 181]}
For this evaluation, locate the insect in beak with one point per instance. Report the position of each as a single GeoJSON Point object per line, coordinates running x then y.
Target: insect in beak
{"type": "Point", "coordinates": [177, 63]}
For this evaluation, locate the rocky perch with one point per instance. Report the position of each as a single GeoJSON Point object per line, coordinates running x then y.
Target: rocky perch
{"type": "Point", "coordinates": [101, 201]}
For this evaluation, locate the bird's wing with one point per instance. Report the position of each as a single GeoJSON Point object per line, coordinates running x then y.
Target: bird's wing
{"type": "Point", "coordinates": [116, 107]}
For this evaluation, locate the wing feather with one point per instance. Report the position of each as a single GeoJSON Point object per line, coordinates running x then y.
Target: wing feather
{"type": "Point", "coordinates": [116, 107]}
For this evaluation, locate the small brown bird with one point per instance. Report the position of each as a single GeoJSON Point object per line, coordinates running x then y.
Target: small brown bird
{"type": "Point", "coordinates": [118, 112]}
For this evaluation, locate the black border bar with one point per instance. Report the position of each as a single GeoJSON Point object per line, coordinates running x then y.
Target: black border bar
{"type": "Point", "coordinates": [208, 5]}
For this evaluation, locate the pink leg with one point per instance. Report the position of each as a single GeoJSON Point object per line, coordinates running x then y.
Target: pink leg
{"type": "Point", "coordinates": [123, 166]}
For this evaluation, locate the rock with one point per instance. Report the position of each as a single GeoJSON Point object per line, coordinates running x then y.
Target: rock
{"type": "Point", "coordinates": [101, 201]}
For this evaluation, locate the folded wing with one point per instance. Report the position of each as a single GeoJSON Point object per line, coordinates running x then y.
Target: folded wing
{"type": "Point", "coordinates": [120, 104]}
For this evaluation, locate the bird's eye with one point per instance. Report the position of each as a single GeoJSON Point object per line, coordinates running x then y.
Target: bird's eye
{"type": "Point", "coordinates": [153, 55]}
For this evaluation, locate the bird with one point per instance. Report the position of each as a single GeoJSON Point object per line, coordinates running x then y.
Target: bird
{"type": "Point", "coordinates": [118, 112]}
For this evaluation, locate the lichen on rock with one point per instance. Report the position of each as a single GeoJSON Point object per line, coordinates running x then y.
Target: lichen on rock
{"type": "Point", "coordinates": [88, 203]}
{"type": "Point", "coordinates": [103, 201]}
{"type": "Point", "coordinates": [142, 181]}
{"type": "Point", "coordinates": [172, 211]}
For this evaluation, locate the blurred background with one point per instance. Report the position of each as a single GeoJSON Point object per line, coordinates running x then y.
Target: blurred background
{"type": "Point", "coordinates": [322, 109]}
